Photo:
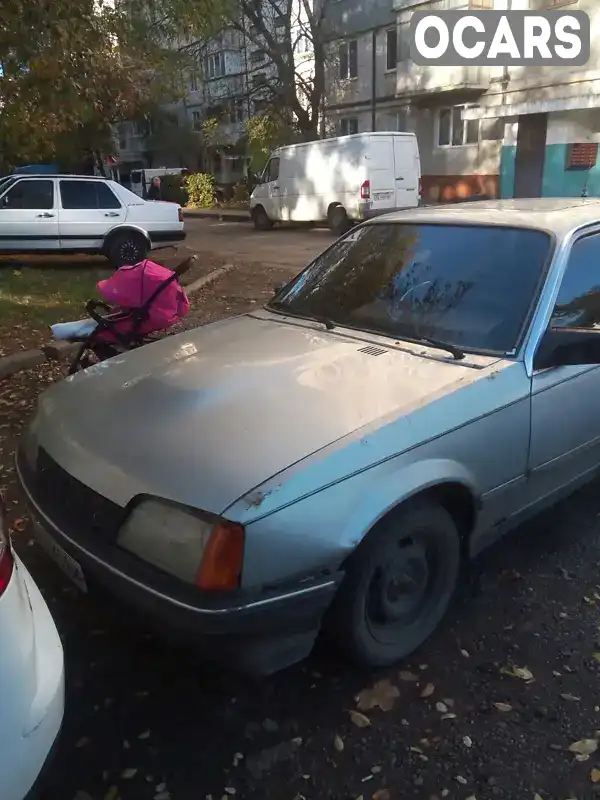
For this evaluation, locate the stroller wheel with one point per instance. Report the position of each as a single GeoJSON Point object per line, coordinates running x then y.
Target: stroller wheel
{"type": "Point", "coordinates": [127, 248]}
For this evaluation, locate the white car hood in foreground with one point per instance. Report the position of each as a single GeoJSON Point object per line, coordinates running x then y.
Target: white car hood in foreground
{"type": "Point", "coordinates": [204, 417]}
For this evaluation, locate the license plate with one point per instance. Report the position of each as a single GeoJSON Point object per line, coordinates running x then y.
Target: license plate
{"type": "Point", "coordinates": [382, 195]}
{"type": "Point", "coordinates": [67, 564]}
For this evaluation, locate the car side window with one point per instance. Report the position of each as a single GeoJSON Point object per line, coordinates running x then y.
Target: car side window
{"type": "Point", "coordinates": [79, 195]}
{"type": "Point", "coordinates": [273, 170]}
{"type": "Point", "coordinates": [578, 301]}
{"type": "Point", "coordinates": [34, 195]}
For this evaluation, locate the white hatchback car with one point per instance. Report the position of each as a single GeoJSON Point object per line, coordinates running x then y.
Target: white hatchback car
{"type": "Point", "coordinates": [31, 676]}
{"type": "Point", "coordinates": [66, 214]}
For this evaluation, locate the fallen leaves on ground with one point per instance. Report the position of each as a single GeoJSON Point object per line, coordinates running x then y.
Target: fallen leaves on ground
{"type": "Point", "coordinates": [524, 673]}
{"type": "Point", "coordinates": [407, 676]}
{"type": "Point", "coordinates": [360, 720]}
{"type": "Point", "coordinates": [381, 794]}
{"type": "Point", "coordinates": [584, 747]}
{"type": "Point", "coordinates": [428, 690]}
{"type": "Point", "coordinates": [382, 695]}
{"type": "Point", "coordinates": [338, 743]}
{"type": "Point", "coordinates": [504, 707]}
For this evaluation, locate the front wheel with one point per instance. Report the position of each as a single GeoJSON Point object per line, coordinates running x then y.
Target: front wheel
{"type": "Point", "coordinates": [261, 220]}
{"type": "Point", "coordinates": [126, 249]}
{"type": "Point", "coordinates": [398, 585]}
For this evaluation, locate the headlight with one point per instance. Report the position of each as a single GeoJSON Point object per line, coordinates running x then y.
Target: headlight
{"type": "Point", "coordinates": [198, 548]}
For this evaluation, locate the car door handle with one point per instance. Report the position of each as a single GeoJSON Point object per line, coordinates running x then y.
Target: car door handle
{"type": "Point", "coordinates": [400, 179]}
{"type": "Point", "coordinates": [112, 214]}
{"type": "Point", "coordinates": [45, 215]}
{"type": "Point", "coordinates": [276, 187]}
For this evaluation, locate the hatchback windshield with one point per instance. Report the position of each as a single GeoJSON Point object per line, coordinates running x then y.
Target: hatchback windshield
{"type": "Point", "coordinates": [466, 285]}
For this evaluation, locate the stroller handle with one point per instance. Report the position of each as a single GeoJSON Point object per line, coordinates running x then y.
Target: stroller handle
{"type": "Point", "coordinates": [184, 265]}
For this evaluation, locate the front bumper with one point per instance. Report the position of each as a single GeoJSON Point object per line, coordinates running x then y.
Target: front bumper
{"type": "Point", "coordinates": [258, 632]}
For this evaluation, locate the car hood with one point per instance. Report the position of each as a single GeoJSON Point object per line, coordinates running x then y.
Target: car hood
{"type": "Point", "coordinates": [204, 417]}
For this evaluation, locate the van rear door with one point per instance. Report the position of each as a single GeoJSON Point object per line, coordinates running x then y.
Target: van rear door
{"type": "Point", "coordinates": [406, 172]}
{"type": "Point", "coordinates": [379, 157]}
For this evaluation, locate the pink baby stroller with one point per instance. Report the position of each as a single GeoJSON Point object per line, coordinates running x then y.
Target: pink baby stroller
{"type": "Point", "coordinates": [141, 300]}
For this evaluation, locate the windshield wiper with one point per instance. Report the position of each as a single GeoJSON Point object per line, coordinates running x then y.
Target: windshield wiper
{"type": "Point", "coordinates": [455, 352]}
{"type": "Point", "coordinates": [329, 324]}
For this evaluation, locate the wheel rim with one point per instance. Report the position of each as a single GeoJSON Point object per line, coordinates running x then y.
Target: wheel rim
{"type": "Point", "coordinates": [129, 252]}
{"type": "Point", "coordinates": [404, 587]}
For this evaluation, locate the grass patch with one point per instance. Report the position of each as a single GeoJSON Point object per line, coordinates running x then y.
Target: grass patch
{"type": "Point", "coordinates": [33, 298]}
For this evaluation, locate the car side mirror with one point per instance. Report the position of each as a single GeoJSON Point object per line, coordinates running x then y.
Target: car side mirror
{"type": "Point", "coordinates": [277, 288]}
{"type": "Point", "coordinates": [563, 347]}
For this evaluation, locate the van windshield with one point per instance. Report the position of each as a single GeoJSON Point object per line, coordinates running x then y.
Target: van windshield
{"type": "Point", "coordinates": [470, 286]}
{"type": "Point", "coordinates": [136, 176]}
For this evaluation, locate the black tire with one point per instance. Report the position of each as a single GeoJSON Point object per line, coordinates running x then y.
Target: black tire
{"type": "Point", "coordinates": [127, 248]}
{"type": "Point", "coordinates": [338, 221]}
{"type": "Point", "coordinates": [261, 220]}
{"type": "Point", "coordinates": [369, 618]}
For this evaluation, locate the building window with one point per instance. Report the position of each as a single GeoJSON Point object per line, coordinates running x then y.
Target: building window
{"type": "Point", "coordinates": [257, 56]}
{"type": "Point", "coordinates": [280, 21]}
{"type": "Point", "coordinates": [259, 79]}
{"type": "Point", "coordinates": [193, 82]}
{"type": "Point", "coordinates": [215, 65]}
{"type": "Point", "coordinates": [197, 120]}
{"type": "Point", "coordinates": [483, 4]}
{"type": "Point", "coordinates": [403, 41]}
{"type": "Point", "coordinates": [348, 125]}
{"type": "Point", "coordinates": [348, 56]}
{"type": "Point", "coordinates": [391, 49]}
{"type": "Point", "coordinates": [303, 45]}
{"type": "Point", "coordinates": [453, 131]}
{"type": "Point", "coordinates": [402, 120]}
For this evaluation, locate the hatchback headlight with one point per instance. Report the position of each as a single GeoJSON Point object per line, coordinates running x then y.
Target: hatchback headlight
{"type": "Point", "coordinates": [197, 548]}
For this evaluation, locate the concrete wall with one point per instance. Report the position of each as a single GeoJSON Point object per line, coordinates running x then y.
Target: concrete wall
{"type": "Point", "coordinates": [563, 129]}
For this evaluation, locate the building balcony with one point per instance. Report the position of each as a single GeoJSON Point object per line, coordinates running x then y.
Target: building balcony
{"type": "Point", "coordinates": [434, 83]}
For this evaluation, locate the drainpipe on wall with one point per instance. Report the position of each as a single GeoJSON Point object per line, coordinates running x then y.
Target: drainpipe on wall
{"type": "Point", "coordinates": [374, 81]}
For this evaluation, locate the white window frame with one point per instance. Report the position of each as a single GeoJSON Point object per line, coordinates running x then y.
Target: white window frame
{"type": "Point", "coordinates": [346, 43]}
{"type": "Point", "coordinates": [393, 30]}
{"type": "Point", "coordinates": [347, 121]}
{"type": "Point", "coordinates": [450, 144]}
{"type": "Point", "coordinates": [215, 65]}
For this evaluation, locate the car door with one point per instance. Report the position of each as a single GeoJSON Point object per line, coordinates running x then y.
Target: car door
{"type": "Point", "coordinates": [88, 210]}
{"type": "Point", "coordinates": [273, 189]}
{"type": "Point", "coordinates": [565, 401]}
{"type": "Point", "coordinates": [29, 216]}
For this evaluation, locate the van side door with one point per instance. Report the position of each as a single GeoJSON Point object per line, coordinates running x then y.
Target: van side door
{"type": "Point", "coordinates": [272, 197]}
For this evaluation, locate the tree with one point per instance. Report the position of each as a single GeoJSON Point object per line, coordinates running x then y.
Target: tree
{"type": "Point", "coordinates": [171, 137]}
{"type": "Point", "coordinates": [291, 34]}
{"type": "Point", "coordinates": [71, 68]}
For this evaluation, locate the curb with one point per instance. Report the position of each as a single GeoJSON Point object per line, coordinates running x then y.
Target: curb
{"type": "Point", "coordinates": [220, 215]}
{"type": "Point", "coordinates": [56, 350]}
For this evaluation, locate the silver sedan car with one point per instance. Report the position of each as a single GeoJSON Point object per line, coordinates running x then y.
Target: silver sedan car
{"type": "Point", "coordinates": [328, 462]}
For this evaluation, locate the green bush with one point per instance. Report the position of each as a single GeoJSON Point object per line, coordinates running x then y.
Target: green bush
{"type": "Point", "coordinates": [174, 189]}
{"type": "Point", "coordinates": [200, 189]}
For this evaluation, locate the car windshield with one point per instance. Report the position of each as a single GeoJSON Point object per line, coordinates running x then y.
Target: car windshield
{"type": "Point", "coordinates": [470, 286]}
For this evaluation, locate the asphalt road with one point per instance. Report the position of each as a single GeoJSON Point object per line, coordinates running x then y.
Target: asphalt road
{"type": "Point", "coordinates": [239, 241]}
{"type": "Point", "coordinates": [487, 709]}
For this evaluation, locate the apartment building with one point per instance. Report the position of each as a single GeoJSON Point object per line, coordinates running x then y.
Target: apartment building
{"type": "Point", "coordinates": [552, 120]}
{"type": "Point", "coordinates": [231, 79]}
{"type": "Point", "coordinates": [481, 131]}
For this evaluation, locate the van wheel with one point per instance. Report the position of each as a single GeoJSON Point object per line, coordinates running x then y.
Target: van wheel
{"type": "Point", "coordinates": [398, 585]}
{"type": "Point", "coordinates": [127, 248]}
{"type": "Point", "coordinates": [261, 219]}
{"type": "Point", "coordinates": [338, 221]}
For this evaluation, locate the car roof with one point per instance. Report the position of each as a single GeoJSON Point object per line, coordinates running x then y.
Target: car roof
{"type": "Point", "coordinates": [26, 175]}
{"type": "Point", "coordinates": [558, 215]}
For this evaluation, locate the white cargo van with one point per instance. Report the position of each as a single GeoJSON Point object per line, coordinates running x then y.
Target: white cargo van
{"type": "Point", "coordinates": [338, 181]}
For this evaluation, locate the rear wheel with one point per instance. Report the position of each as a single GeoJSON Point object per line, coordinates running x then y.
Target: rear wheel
{"type": "Point", "coordinates": [127, 248]}
{"type": "Point", "coordinates": [398, 586]}
{"type": "Point", "coordinates": [261, 220]}
{"type": "Point", "coordinates": [338, 221]}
